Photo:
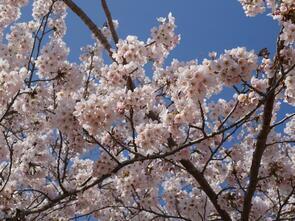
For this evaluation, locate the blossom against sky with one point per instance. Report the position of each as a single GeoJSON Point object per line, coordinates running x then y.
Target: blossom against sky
{"type": "Point", "coordinates": [210, 25]}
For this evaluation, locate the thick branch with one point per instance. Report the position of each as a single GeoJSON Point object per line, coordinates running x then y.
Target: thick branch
{"type": "Point", "coordinates": [257, 155]}
{"type": "Point", "coordinates": [191, 169]}
{"type": "Point", "coordinates": [110, 21]}
{"type": "Point", "coordinates": [90, 24]}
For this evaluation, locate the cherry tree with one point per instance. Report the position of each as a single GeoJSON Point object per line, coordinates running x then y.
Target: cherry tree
{"type": "Point", "coordinates": [166, 150]}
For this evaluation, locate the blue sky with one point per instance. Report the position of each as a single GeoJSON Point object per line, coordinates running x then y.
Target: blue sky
{"type": "Point", "coordinates": [204, 25]}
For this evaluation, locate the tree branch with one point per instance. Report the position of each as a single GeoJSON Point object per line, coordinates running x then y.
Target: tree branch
{"type": "Point", "coordinates": [257, 155]}
{"type": "Point", "coordinates": [90, 24]}
{"type": "Point", "coordinates": [191, 169]}
{"type": "Point", "coordinates": [110, 21]}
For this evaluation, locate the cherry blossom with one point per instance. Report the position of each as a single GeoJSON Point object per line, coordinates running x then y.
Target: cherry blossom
{"type": "Point", "coordinates": [110, 139]}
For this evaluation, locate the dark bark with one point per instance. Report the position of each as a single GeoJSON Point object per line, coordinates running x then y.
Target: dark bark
{"type": "Point", "coordinates": [191, 169]}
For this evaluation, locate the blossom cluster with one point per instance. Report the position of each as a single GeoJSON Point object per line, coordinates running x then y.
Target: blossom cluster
{"type": "Point", "coordinates": [164, 34]}
{"type": "Point", "coordinates": [94, 114]}
{"type": "Point", "coordinates": [253, 8]}
{"type": "Point", "coordinates": [152, 137]}
{"type": "Point", "coordinates": [42, 7]}
{"type": "Point", "coordinates": [117, 74]}
{"type": "Point", "coordinates": [235, 65]}
{"type": "Point", "coordinates": [288, 35]}
{"type": "Point", "coordinates": [163, 39]}
{"type": "Point", "coordinates": [9, 12]}
{"type": "Point", "coordinates": [52, 58]}
{"type": "Point", "coordinates": [130, 50]}
{"type": "Point", "coordinates": [10, 81]}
